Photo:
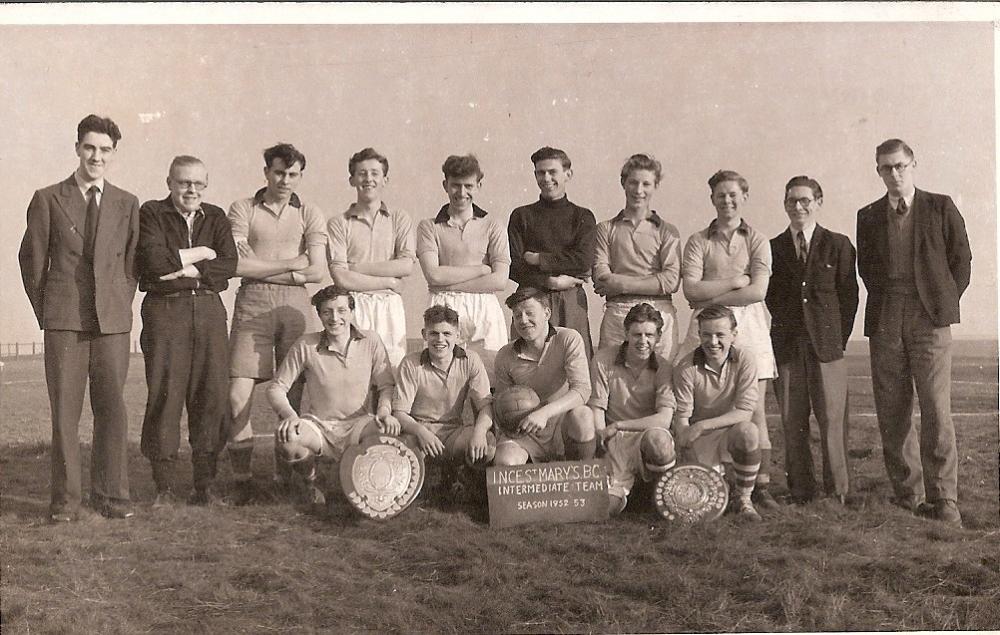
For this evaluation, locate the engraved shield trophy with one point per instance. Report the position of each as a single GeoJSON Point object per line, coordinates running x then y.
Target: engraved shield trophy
{"type": "Point", "coordinates": [381, 476]}
{"type": "Point", "coordinates": [691, 493]}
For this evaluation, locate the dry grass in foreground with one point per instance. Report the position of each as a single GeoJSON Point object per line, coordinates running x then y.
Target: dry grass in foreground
{"type": "Point", "coordinates": [439, 568]}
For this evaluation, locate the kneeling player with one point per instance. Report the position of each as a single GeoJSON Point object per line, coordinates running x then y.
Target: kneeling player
{"type": "Point", "coordinates": [431, 390]}
{"type": "Point", "coordinates": [716, 391]}
{"type": "Point", "coordinates": [342, 364]}
{"type": "Point", "coordinates": [633, 403]}
{"type": "Point", "coordinates": [552, 361]}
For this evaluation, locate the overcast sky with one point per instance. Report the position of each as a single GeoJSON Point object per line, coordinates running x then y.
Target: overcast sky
{"type": "Point", "coordinates": [768, 100]}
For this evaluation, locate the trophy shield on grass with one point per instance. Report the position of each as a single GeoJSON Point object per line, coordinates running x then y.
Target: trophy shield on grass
{"type": "Point", "coordinates": [381, 476]}
{"type": "Point", "coordinates": [691, 493]}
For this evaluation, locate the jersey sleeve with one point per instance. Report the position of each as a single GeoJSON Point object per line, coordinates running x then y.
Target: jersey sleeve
{"type": "Point", "coordinates": [599, 384]}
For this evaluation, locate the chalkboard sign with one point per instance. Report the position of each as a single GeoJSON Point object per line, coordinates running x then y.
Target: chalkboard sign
{"type": "Point", "coordinates": [557, 492]}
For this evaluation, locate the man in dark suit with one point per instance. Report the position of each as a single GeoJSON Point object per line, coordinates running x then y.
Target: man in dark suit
{"type": "Point", "coordinates": [186, 256]}
{"type": "Point", "coordinates": [812, 297]}
{"type": "Point", "coordinates": [914, 257]}
{"type": "Point", "coordinates": [78, 267]}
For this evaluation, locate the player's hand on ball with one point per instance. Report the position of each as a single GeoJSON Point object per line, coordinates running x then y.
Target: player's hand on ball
{"type": "Point", "coordinates": [287, 429]}
{"type": "Point", "coordinates": [533, 422]}
{"type": "Point", "coordinates": [429, 443]}
{"type": "Point", "coordinates": [478, 446]}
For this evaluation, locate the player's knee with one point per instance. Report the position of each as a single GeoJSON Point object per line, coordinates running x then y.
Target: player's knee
{"type": "Point", "coordinates": [294, 449]}
{"type": "Point", "coordinates": [240, 391]}
{"type": "Point", "coordinates": [579, 424]}
{"type": "Point", "coordinates": [657, 447]}
{"type": "Point", "coordinates": [510, 454]}
{"type": "Point", "coordinates": [744, 437]}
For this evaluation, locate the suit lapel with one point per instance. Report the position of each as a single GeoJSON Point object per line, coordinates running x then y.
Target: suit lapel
{"type": "Point", "coordinates": [919, 211]}
{"type": "Point", "coordinates": [72, 206]}
{"type": "Point", "coordinates": [880, 215]}
{"type": "Point", "coordinates": [786, 247]}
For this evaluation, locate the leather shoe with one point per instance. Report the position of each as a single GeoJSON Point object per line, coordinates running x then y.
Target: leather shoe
{"type": "Point", "coordinates": [110, 508]}
{"type": "Point", "coordinates": [202, 497]}
{"type": "Point", "coordinates": [908, 502]}
{"type": "Point", "coordinates": [947, 511]}
{"type": "Point", "coordinates": [249, 493]}
{"type": "Point", "coordinates": [312, 494]}
{"type": "Point", "coordinates": [762, 498]}
{"type": "Point", "coordinates": [57, 518]}
{"type": "Point", "coordinates": [165, 498]}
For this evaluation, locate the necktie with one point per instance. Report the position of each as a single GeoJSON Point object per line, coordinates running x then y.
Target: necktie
{"type": "Point", "coordinates": [902, 207]}
{"type": "Point", "coordinates": [90, 225]}
{"type": "Point", "coordinates": [800, 240]}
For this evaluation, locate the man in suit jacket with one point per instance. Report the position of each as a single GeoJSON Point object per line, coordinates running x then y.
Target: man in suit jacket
{"type": "Point", "coordinates": [813, 297]}
{"type": "Point", "coordinates": [78, 267]}
{"type": "Point", "coordinates": [186, 256]}
{"type": "Point", "coordinates": [914, 257]}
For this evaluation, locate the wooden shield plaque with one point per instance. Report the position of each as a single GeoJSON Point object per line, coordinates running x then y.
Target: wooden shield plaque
{"type": "Point", "coordinates": [381, 476]}
{"type": "Point", "coordinates": [691, 493]}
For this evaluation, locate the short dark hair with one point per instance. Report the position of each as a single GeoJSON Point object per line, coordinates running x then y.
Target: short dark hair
{"type": "Point", "coordinates": [644, 312]}
{"type": "Point", "coordinates": [547, 152]}
{"type": "Point", "coordinates": [288, 154]}
{"type": "Point", "coordinates": [458, 167]}
{"type": "Point", "coordinates": [722, 176]}
{"type": "Point", "coordinates": [366, 155]}
{"type": "Point", "coordinates": [893, 145]}
{"type": "Point", "coordinates": [715, 312]}
{"type": "Point", "coordinates": [642, 162]}
{"type": "Point", "coordinates": [100, 125]}
{"type": "Point", "coordinates": [330, 292]}
{"type": "Point", "coordinates": [440, 313]}
{"type": "Point", "coordinates": [527, 293]}
{"type": "Point", "coordinates": [802, 180]}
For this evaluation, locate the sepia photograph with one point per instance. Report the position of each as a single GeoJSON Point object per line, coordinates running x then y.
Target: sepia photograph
{"type": "Point", "coordinates": [499, 317]}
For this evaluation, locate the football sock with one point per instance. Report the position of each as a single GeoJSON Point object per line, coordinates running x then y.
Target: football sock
{"type": "Point", "coordinates": [576, 450]}
{"type": "Point", "coordinates": [164, 474]}
{"type": "Point", "coordinates": [240, 458]}
{"type": "Point", "coordinates": [745, 466]}
{"type": "Point", "coordinates": [763, 474]}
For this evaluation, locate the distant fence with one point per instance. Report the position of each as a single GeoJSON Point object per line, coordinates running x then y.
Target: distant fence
{"type": "Point", "coordinates": [32, 349]}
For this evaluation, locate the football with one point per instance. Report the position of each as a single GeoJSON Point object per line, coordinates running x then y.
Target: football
{"type": "Point", "coordinates": [511, 406]}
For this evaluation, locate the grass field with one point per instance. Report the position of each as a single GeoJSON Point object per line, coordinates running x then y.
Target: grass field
{"type": "Point", "coordinates": [439, 568]}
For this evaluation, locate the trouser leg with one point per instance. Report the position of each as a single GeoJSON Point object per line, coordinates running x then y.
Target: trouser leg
{"type": "Point", "coordinates": [109, 359]}
{"type": "Point", "coordinates": [167, 340]}
{"type": "Point", "coordinates": [892, 385]}
{"type": "Point", "coordinates": [930, 359]}
{"type": "Point", "coordinates": [828, 390]}
{"type": "Point", "coordinates": [66, 359]}
{"type": "Point", "coordinates": [792, 390]}
{"type": "Point", "coordinates": [208, 390]}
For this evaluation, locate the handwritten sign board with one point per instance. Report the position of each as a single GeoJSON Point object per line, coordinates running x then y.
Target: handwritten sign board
{"type": "Point", "coordinates": [557, 492]}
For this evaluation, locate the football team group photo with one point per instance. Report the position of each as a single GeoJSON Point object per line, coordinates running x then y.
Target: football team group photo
{"type": "Point", "coordinates": [783, 390]}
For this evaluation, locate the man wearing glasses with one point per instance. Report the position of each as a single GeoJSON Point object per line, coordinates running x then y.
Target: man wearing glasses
{"type": "Point", "coordinates": [812, 297]}
{"type": "Point", "coordinates": [914, 258]}
{"type": "Point", "coordinates": [186, 256]}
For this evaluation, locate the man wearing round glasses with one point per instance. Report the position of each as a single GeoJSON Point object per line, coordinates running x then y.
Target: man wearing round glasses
{"type": "Point", "coordinates": [186, 256]}
{"type": "Point", "coordinates": [914, 258]}
{"type": "Point", "coordinates": [813, 297]}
